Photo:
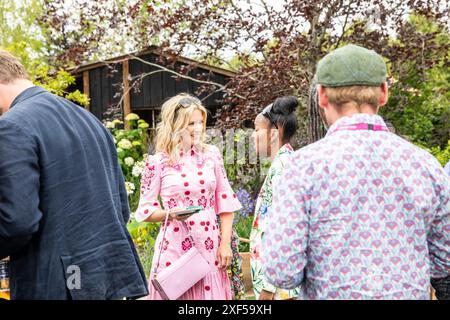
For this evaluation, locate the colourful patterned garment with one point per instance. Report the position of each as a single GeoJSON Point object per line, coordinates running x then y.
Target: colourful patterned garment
{"type": "Point", "coordinates": [235, 272]}
{"type": "Point", "coordinates": [447, 168]}
{"type": "Point", "coordinates": [197, 179]}
{"type": "Point", "coordinates": [263, 202]}
{"type": "Point", "coordinates": [359, 215]}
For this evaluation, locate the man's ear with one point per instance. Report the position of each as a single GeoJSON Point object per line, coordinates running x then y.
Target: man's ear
{"type": "Point", "coordinates": [322, 97]}
{"type": "Point", "coordinates": [384, 94]}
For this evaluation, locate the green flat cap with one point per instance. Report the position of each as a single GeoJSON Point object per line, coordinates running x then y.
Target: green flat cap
{"type": "Point", "coordinates": [351, 65]}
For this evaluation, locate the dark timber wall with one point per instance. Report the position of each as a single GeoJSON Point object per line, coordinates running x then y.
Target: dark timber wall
{"type": "Point", "coordinates": [103, 83]}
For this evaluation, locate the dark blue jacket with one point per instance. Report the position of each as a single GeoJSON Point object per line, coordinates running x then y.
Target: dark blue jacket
{"type": "Point", "coordinates": [63, 204]}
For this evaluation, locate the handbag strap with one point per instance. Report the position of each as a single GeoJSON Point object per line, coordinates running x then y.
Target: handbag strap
{"type": "Point", "coordinates": [164, 237]}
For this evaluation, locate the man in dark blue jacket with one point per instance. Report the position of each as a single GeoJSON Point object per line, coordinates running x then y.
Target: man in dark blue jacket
{"type": "Point", "coordinates": [63, 203]}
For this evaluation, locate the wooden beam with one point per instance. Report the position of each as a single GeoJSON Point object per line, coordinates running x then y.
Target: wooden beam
{"type": "Point", "coordinates": [86, 86]}
{"type": "Point", "coordinates": [126, 90]}
{"type": "Point", "coordinates": [94, 65]}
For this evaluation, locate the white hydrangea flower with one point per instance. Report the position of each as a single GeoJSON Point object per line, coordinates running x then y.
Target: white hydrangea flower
{"type": "Point", "coordinates": [143, 125]}
{"type": "Point", "coordinates": [138, 168]}
{"type": "Point", "coordinates": [125, 144]}
{"type": "Point", "coordinates": [129, 161]}
{"type": "Point", "coordinates": [109, 125]}
{"type": "Point", "coordinates": [130, 187]}
{"type": "Point", "coordinates": [131, 117]}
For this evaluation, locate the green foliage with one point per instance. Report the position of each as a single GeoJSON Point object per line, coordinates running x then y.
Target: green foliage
{"type": "Point", "coordinates": [144, 236]}
{"type": "Point", "coordinates": [419, 100]}
{"type": "Point", "coordinates": [131, 144]}
{"type": "Point", "coordinates": [25, 40]}
{"type": "Point", "coordinates": [241, 172]}
{"type": "Point", "coordinates": [243, 227]}
{"type": "Point", "coordinates": [78, 97]}
{"type": "Point", "coordinates": [246, 178]}
{"type": "Point", "coordinates": [57, 83]}
{"type": "Point", "coordinates": [424, 108]}
{"type": "Point", "coordinates": [20, 33]}
{"type": "Point", "coordinates": [443, 155]}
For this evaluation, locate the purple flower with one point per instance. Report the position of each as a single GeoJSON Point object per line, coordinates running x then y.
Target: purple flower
{"type": "Point", "coordinates": [248, 204]}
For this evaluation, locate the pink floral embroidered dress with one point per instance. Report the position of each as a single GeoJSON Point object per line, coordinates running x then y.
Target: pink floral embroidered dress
{"type": "Point", "coordinates": [199, 178]}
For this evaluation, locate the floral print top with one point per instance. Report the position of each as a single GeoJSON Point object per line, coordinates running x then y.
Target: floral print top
{"type": "Point", "coordinates": [263, 203]}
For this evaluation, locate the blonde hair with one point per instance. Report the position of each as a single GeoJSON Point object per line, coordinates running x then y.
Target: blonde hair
{"type": "Point", "coordinates": [174, 119]}
{"type": "Point", "coordinates": [10, 68]}
{"type": "Point", "coordinates": [354, 94]}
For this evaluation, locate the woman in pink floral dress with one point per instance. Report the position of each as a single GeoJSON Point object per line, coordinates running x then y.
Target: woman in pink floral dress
{"type": "Point", "coordinates": [185, 172]}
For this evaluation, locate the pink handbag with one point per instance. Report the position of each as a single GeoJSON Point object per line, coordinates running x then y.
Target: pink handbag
{"type": "Point", "coordinates": [181, 275]}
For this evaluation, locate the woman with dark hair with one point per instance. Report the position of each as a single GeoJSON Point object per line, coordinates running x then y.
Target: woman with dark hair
{"type": "Point", "coordinates": [274, 128]}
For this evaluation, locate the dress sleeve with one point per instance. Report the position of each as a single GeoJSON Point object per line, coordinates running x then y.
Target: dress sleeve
{"type": "Point", "coordinates": [226, 199]}
{"type": "Point", "coordinates": [150, 188]}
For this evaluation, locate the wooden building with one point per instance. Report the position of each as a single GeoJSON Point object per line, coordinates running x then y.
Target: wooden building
{"type": "Point", "coordinates": [107, 84]}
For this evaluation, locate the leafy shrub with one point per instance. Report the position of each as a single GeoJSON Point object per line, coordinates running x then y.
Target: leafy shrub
{"type": "Point", "coordinates": [131, 139]}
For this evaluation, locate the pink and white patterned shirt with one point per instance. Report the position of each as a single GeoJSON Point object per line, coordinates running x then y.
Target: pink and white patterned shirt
{"type": "Point", "coordinates": [361, 214]}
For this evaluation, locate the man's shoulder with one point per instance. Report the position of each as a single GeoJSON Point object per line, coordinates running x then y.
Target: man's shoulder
{"type": "Point", "coordinates": [418, 154]}
{"type": "Point", "coordinates": [311, 151]}
{"type": "Point", "coordinates": [311, 156]}
{"type": "Point", "coordinates": [46, 107]}
{"type": "Point", "coordinates": [447, 168]}
{"type": "Point", "coordinates": [16, 121]}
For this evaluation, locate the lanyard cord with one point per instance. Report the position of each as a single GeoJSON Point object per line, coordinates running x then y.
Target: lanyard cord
{"type": "Point", "coordinates": [361, 126]}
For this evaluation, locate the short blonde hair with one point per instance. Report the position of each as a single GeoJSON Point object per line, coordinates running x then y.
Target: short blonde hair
{"type": "Point", "coordinates": [10, 68]}
{"type": "Point", "coordinates": [174, 119]}
{"type": "Point", "coordinates": [340, 96]}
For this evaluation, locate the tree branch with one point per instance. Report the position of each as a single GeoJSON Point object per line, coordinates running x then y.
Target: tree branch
{"type": "Point", "coordinates": [220, 87]}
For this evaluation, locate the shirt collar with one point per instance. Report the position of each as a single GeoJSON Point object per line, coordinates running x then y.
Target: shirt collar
{"type": "Point", "coordinates": [26, 94]}
{"type": "Point", "coordinates": [194, 150]}
{"type": "Point", "coordinates": [354, 119]}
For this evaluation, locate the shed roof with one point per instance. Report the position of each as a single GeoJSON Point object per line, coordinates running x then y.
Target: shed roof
{"type": "Point", "coordinates": [151, 50]}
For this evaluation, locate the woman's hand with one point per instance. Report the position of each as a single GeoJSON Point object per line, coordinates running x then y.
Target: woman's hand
{"type": "Point", "coordinates": [174, 216]}
{"type": "Point", "coordinates": [224, 255]}
{"type": "Point", "coordinates": [266, 295]}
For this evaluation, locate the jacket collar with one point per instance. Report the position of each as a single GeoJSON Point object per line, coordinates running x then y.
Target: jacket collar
{"type": "Point", "coordinates": [26, 94]}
